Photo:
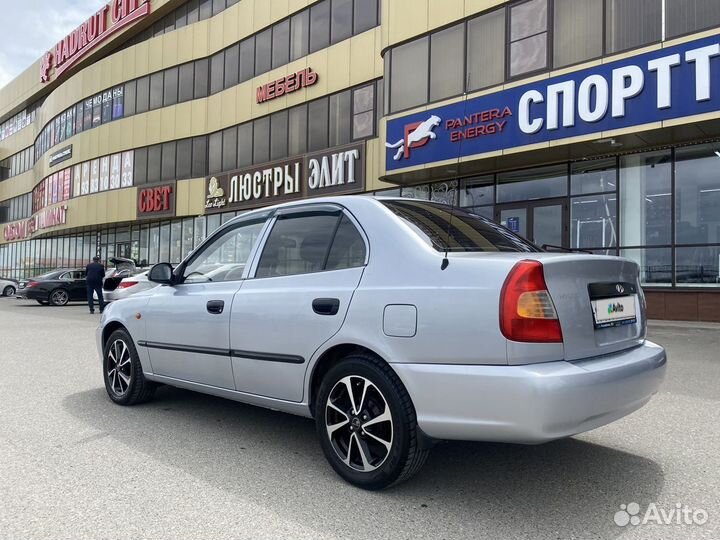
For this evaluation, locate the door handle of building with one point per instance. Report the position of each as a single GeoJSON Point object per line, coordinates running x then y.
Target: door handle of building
{"type": "Point", "coordinates": [215, 306]}
{"type": "Point", "coordinates": [326, 306]}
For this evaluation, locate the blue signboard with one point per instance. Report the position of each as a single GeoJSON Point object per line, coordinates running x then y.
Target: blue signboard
{"type": "Point", "coordinates": [513, 223]}
{"type": "Point", "coordinates": [669, 83]}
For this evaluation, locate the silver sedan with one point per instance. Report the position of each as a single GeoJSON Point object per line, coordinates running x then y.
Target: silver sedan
{"type": "Point", "coordinates": [393, 323]}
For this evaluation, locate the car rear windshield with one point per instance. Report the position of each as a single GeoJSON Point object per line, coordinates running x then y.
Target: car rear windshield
{"type": "Point", "coordinates": [454, 229]}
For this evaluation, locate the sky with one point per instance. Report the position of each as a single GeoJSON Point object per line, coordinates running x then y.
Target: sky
{"type": "Point", "coordinates": [32, 27]}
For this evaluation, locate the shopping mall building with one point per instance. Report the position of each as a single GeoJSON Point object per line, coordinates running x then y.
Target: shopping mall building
{"type": "Point", "coordinates": [581, 124]}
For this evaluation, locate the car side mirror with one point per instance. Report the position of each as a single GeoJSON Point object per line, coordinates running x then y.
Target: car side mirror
{"type": "Point", "coordinates": [161, 273]}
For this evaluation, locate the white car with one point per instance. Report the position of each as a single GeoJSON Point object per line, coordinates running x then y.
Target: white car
{"type": "Point", "coordinates": [127, 287]}
{"type": "Point", "coordinates": [8, 287]}
{"type": "Point", "coordinates": [393, 323]}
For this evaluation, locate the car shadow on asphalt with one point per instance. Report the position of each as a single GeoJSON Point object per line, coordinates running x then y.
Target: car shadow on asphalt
{"type": "Point", "coordinates": [564, 488]}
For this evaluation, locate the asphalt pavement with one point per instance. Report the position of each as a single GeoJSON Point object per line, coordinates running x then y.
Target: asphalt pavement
{"type": "Point", "coordinates": [74, 465]}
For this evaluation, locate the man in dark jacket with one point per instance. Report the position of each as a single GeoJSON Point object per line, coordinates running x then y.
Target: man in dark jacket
{"type": "Point", "coordinates": [95, 272]}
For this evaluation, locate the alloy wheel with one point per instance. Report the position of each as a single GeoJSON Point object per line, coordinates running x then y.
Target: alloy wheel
{"type": "Point", "coordinates": [359, 423]}
{"type": "Point", "coordinates": [60, 297]}
{"type": "Point", "coordinates": [9, 290]}
{"type": "Point", "coordinates": [119, 367]}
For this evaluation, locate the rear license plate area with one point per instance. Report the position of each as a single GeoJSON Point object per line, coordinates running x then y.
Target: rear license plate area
{"type": "Point", "coordinates": [613, 304]}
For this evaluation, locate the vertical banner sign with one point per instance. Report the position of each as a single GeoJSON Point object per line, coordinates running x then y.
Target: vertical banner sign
{"type": "Point", "coordinates": [126, 179]}
{"type": "Point", "coordinates": [115, 161]}
{"type": "Point", "coordinates": [104, 173]}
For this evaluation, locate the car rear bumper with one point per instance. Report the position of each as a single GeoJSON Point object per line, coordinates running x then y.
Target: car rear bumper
{"type": "Point", "coordinates": [32, 294]}
{"type": "Point", "coordinates": [532, 403]}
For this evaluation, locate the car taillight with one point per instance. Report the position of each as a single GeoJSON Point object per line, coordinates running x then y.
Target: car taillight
{"type": "Point", "coordinates": [126, 284]}
{"type": "Point", "coordinates": [527, 313]}
{"type": "Point", "coordinates": [31, 284]}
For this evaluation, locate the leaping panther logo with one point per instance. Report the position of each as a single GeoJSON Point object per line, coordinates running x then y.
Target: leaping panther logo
{"type": "Point", "coordinates": [416, 135]}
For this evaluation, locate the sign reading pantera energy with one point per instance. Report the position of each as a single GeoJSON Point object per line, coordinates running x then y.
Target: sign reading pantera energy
{"type": "Point", "coordinates": [339, 170]}
{"type": "Point", "coordinates": [50, 217]}
{"type": "Point", "coordinates": [110, 19]}
{"type": "Point", "coordinates": [670, 83]}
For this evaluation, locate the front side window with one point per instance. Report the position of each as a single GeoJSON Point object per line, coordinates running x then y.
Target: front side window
{"type": "Point", "coordinates": [446, 228]}
{"type": "Point", "coordinates": [224, 259]}
{"type": "Point", "coordinates": [302, 244]}
{"type": "Point", "coordinates": [528, 37]}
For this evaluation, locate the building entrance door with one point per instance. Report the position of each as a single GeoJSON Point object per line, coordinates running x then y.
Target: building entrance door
{"type": "Point", "coordinates": [544, 223]}
{"type": "Point", "coordinates": [122, 249]}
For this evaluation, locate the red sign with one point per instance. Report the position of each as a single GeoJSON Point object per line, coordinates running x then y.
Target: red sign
{"type": "Point", "coordinates": [475, 125]}
{"type": "Point", "coordinates": [50, 217]}
{"type": "Point", "coordinates": [155, 201]}
{"type": "Point", "coordinates": [286, 85]}
{"type": "Point", "coordinates": [110, 19]}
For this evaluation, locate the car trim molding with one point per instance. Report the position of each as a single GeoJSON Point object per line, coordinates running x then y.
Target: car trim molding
{"type": "Point", "coordinates": [251, 355]}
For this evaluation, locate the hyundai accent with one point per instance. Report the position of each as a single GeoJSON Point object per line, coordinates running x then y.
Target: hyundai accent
{"type": "Point", "coordinates": [393, 323]}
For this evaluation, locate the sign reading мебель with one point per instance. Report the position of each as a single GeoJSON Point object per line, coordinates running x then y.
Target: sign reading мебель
{"type": "Point", "coordinates": [674, 82]}
{"type": "Point", "coordinates": [331, 172]}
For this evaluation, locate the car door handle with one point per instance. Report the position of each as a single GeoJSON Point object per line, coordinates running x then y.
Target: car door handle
{"type": "Point", "coordinates": [215, 306]}
{"type": "Point", "coordinates": [326, 306]}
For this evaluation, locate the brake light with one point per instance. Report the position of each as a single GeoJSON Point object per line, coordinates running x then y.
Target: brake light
{"type": "Point", "coordinates": [126, 284]}
{"type": "Point", "coordinates": [527, 313]}
{"type": "Point", "coordinates": [31, 284]}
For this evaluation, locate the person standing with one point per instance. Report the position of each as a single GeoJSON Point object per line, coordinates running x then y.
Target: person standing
{"type": "Point", "coordinates": [95, 272]}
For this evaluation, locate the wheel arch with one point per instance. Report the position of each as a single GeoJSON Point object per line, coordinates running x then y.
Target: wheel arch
{"type": "Point", "coordinates": [110, 328]}
{"type": "Point", "coordinates": [327, 360]}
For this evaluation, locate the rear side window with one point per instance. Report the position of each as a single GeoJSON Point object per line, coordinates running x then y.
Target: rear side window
{"type": "Point", "coordinates": [454, 229]}
{"type": "Point", "coordinates": [302, 244]}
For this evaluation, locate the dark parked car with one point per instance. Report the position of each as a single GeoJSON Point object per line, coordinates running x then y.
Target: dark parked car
{"type": "Point", "coordinates": [56, 288]}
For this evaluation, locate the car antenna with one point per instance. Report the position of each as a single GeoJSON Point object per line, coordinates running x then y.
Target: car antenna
{"type": "Point", "coordinates": [446, 262]}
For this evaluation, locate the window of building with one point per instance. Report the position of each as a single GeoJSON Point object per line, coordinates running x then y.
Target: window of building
{"type": "Point", "coordinates": [193, 11]}
{"type": "Point", "coordinates": [645, 199]}
{"type": "Point", "coordinates": [96, 113]}
{"type": "Point", "coordinates": [318, 124]}
{"type": "Point", "coordinates": [297, 245]}
{"type": "Point", "coordinates": [232, 65]}
{"type": "Point", "coordinates": [340, 118]}
{"type": "Point", "coordinates": [320, 26]}
{"type": "Point", "coordinates": [595, 176]}
{"type": "Point", "coordinates": [363, 124]}
{"type": "Point", "coordinates": [139, 166]}
{"type": "Point", "coordinates": [183, 164]}
{"type": "Point", "coordinates": [446, 69]}
{"type": "Point", "coordinates": [278, 135]}
{"type": "Point", "coordinates": [687, 16]}
{"type": "Point", "coordinates": [247, 59]}
{"type": "Point", "coordinates": [530, 184]}
{"type": "Point", "coordinates": [297, 130]}
{"type": "Point", "coordinates": [142, 102]}
{"type": "Point", "coordinates": [409, 75]}
{"type": "Point", "coordinates": [199, 156]}
{"type": "Point", "coordinates": [118, 108]}
{"type": "Point", "coordinates": [528, 37]}
{"type": "Point", "coordinates": [261, 140]}
{"type": "Point", "coordinates": [341, 21]}
{"type": "Point", "coordinates": [697, 265]}
{"type": "Point", "coordinates": [156, 90]}
{"type": "Point", "coordinates": [217, 6]}
{"type": "Point", "coordinates": [299, 35]}
{"type": "Point", "coordinates": [697, 195]}
{"type": "Point", "coordinates": [201, 78]}
{"type": "Point", "coordinates": [181, 16]}
{"type": "Point", "coordinates": [281, 43]}
{"type": "Point", "coordinates": [217, 64]}
{"type": "Point", "coordinates": [154, 167]}
{"type": "Point", "coordinates": [170, 87]}
{"type": "Point", "coordinates": [365, 15]}
{"type": "Point", "coordinates": [129, 98]}
{"type": "Point", "coordinates": [655, 265]}
{"type": "Point", "coordinates": [593, 221]}
{"type": "Point", "coordinates": [186, 81]}
{"type": "Point", "coordinates": [577, 32]}
{"type": "Point", "coordinates": [205, 9]}
{"type": "Point", "coordinates": [632, 23]}
{"type": "Point", "coordinates": [107, 101]}
{"type": "Point", "coordinates": [263, 51]}
{"type": "Point", "coordinates": [168, 161]}
{"type": "Point", "coordinates": [79, 109]}
{"type": "Point", "coordinates": [245, 144]}
{"type": "Point", "coordinates": [229, 149]}
{"type": "Point", "coordinates": [215, 153]}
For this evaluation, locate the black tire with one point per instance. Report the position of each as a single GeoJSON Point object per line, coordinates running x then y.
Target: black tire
{"type": "Point", "coordinates": [137, 389]}
{"type": "Point", "coordinates": [59, 297]}
{"type": "Point", "coordinates": [42, 302]}
{"type": "Point", "coordinates": [9, 291]}
{"type": "Point", "coordinates": [406, 453]}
